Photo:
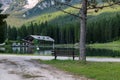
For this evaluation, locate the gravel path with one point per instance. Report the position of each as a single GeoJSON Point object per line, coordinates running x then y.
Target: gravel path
{"type": "Point", "coordinates": [23, 68]}
{"type": "Point", "coordinates": [14, 67]}
{"type": "Point", "coordinates": [92, 59]}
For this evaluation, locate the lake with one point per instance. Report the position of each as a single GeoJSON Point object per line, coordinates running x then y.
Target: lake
{"type": "Point", "coordinates": [49, 51]}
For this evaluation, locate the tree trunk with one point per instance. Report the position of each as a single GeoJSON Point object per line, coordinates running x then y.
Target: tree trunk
{"type": "Point", "coordinates": [83, 22]}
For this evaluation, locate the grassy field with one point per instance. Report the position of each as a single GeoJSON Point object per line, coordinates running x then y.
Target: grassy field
{"type": "Point", "coordinates": [94, 70]}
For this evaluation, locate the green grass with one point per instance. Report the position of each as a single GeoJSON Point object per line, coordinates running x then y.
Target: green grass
{"type": "Point", "coordinates": [14, 19]}
{"type": "Point", "coordinates": [94, 70]}
{"type": "Point", "coordinates": [64, 45]}
{"type": "Point", "coordinates": [115, 45]}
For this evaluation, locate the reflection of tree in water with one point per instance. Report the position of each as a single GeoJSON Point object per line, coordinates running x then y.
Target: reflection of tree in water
{"type": "Point", "coordinates": [22, 50]}
{"type": "Point", "coordinates": [16, 49]}
{"type": "Point", "coordinates": [102, 52]}
{"type": "Point", "coordinates": [30, 50]}
{"type": "Point", "coordinates": [2, 49]}
{"type": "Point", "coordinates": [42, 51]}
{"type": "Point", "coordinates": [48, 51]}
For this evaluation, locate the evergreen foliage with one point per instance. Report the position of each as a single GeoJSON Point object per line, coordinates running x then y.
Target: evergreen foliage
{"type": "Point", "coordinates": [104, 29]}
{"type": "Point", "coordinates": [101, 28]}
{"type": "Point", "coordinates": [3, 27]}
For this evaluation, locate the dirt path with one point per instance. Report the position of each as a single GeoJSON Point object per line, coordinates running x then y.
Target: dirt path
{"type": "Point", "coordinates": [19, 68]}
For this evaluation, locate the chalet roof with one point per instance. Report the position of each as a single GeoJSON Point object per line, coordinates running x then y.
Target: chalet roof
{"type": "Point", "coordinates": [45, 38]}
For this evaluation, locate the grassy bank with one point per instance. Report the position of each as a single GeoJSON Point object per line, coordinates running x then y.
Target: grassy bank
{"type": "Point", "coordinates": [94, 70]}
{"type": "Point", "coordinates": [115, 45]}
{"type": "Point", "coordinates": [64, 45]}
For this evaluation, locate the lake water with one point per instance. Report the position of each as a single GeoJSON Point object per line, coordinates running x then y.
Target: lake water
{"type": "Point", "coordinates": [49, 51]}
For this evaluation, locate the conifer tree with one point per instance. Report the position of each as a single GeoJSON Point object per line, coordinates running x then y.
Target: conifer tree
{"type": "Point", "coordinates": [3, 26]}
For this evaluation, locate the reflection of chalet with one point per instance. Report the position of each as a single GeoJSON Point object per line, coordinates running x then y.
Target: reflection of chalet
{"type": "Point", "coordinates": [38, 40]}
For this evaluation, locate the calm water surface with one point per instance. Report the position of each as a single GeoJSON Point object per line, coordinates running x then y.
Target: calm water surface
{"type": "Point", "coordinates": [49, 51]}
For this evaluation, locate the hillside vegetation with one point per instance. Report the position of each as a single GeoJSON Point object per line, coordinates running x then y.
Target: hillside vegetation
{"type": "Point", "coordinates": [51, 15]}
{"type": "Point", "coordinates": [102, 26]}
{"type": "Point", "coordinates": [48, 14]}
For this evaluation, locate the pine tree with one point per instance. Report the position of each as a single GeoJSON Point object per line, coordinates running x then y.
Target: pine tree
{"type": "Point", "coordinates": [3, 26]}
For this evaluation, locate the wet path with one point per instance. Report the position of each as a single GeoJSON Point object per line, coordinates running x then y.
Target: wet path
{"type": "Point", "coordinates": [23, 68]}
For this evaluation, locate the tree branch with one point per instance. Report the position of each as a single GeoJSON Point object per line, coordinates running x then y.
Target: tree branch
{"type": "Point", "coordinates": [100, 7]}
{"type": "Point", "coordinates": [89, 8]}
{"type": "Point", "coordinates": [95, 7]}
{"type": "Point", "coordinates": [68, 12]}
{"type": "Point", "coordinates": [67, 5]}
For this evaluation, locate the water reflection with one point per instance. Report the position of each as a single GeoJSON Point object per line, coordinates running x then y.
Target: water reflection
{"type": "Point", "coordinates": [2, 49]}
{"type": "Point", "coordinates": [102, 52]}
{"type": "Point", "coordinates": [49, 51]}
{"type": "Point", "coordinates": [26, 50]}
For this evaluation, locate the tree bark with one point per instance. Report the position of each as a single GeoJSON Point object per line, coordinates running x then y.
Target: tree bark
{"type": "Point", "coordinates": [83, 22]}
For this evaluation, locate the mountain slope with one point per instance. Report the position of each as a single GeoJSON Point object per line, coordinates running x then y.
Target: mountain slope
{"type": "Point", "coordinates": [47, 14]}
{"type": "Point", "coordinates": [20, 15]}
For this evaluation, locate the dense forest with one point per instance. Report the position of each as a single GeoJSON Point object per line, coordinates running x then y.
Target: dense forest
{"type": "Point", "coordinates": [3, 26]}
{"type": "Point", "coordinates": [100, 29]}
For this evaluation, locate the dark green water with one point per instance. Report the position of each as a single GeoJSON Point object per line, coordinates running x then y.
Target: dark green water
{"type": "Point", "coordinates": [102, 52]}
{"type": "Point", "coordinates": [49, 51]}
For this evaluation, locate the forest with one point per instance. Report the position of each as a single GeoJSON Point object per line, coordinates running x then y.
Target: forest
{"type": "Point", "coordinates": [3, 26]}
{"type": "Point", "coordinates": [100, 29]}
